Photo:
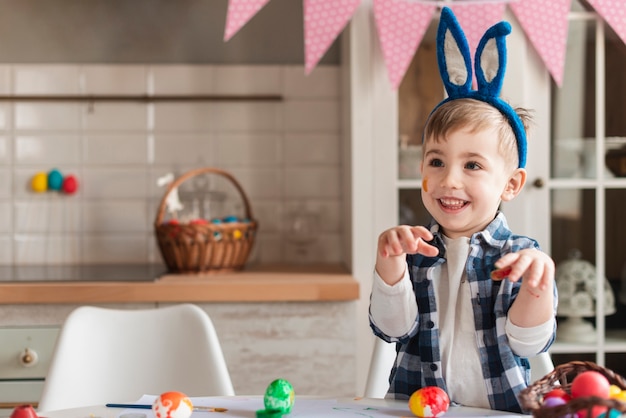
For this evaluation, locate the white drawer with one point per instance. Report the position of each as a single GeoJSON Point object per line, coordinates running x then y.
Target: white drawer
{"type": "Point", "coordinates": [25, 352]}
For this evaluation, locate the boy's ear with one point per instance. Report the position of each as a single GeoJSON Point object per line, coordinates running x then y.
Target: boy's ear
{"type": "Point", "coordinates": [515, 185]}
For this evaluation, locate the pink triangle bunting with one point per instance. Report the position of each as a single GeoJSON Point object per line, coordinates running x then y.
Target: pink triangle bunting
{"type": "Point", "coordinates": [614, 13]}
{"type": "Point", "coordinates": [323, 22]}
{"type": "Point", "coordinates": [401, 26]}
{"type": "Point", "coordinates": [476, 18]}
{"type": "Point", "coordinates": [546, 25]}
{"type": "Point", "coordinates": [239, 13]}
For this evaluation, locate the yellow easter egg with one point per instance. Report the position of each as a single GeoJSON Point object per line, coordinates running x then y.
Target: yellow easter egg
{"type": "Point", "coordinates": [619, 396]}
{"type": "Point", "coordinates": [237, 234]}
{"type": "Point", "coordinates": [614, 390]}
{"type": "Point", "coordinates": [39, 182]}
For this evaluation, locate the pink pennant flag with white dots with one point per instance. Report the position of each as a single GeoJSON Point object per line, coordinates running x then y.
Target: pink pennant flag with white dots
{"type": "Point", "coordinates": [323, 22]}
{"type": "Point", "coordinates": [476, 18]}
{"type": "Point", "coordinates": [614, 13]}
{"type": "Point", "coordinates": [401, 26]}
{"type": "Point", "coordinates": [239, 13]}
{"type": "Point", "coordinates": [546, 25]}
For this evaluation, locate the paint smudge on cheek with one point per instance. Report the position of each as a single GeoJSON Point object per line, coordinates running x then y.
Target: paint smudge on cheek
{"type": "Point", "coordinates": [425, 184]}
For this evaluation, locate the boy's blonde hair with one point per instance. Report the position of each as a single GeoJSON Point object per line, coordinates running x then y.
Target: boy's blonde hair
{"type": "Point", "coordinates": [475, 115]}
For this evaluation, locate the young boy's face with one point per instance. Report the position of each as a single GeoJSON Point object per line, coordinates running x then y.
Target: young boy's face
{"type": "Point", "coordinates": [465, 177]}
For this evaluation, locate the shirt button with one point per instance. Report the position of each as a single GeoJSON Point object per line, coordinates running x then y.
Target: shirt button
{"type": "Point", "coordinates": [433, 367]}
{"type": "Point", "coordinates": [430, 324]}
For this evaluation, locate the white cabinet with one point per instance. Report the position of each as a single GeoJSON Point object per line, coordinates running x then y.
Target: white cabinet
{"type": "Point", "coordinates": [571, 201]}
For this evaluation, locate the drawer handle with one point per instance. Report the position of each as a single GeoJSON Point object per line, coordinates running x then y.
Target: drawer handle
{"type": "Point", "coordinates": [29, 358]}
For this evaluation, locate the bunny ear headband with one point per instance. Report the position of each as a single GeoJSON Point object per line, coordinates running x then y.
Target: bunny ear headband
{"type": "Point", "coordinates": [455, 67]}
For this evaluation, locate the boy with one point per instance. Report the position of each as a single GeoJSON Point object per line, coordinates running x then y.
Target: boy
{"type": "Point", "coordinates": [465, 299]}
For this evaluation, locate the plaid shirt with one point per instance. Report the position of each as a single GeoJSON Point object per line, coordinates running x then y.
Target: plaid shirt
{"type": "Point", "coordinates": [418, 362]}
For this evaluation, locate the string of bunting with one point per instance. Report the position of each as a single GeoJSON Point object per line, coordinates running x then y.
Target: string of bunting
{"type": "Point", "coordinates": [401, 25]}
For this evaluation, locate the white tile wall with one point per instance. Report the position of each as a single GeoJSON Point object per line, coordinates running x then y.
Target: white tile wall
{"type": "Point", "coordinates": [284, 153]}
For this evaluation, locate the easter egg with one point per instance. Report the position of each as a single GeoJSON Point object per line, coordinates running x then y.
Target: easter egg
{"type": "Point", "coordinates": [39, 182]}
{"type": "Point", "coordinates": [172, 405]}
{"type": "Point", "coordinates": [24, 411]}
{"type": "Point", "coordinates": [429, 401]}
{"type": "Point", "coordinates": [553, 401]}
{"type": "Point", "coordinates": [55, 179]}
{"type": "Point", "coordinates": [590, 383]}
{"type": "Point", "coordinates": [70, 184]}
{"type": "Point", "coordinates": [557, 393]}
{"type": "Point", "coordinates": [613, 413]}
{"type": "Point", "coordinates": [279, 395]}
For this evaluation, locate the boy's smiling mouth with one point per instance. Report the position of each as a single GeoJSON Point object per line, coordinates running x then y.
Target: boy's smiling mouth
{"type": "Point", "coordinates": [452, 204]}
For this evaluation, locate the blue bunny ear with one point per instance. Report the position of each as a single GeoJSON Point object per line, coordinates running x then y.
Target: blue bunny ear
{"type": "Point", "coordinates": [490, 62]}
{"type": "Point", "coordinates": [453, 56]}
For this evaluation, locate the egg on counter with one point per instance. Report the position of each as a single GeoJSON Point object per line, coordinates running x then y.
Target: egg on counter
{"type": "Point", "coordinates": [280, 396]}
{"type": "Point", "coordinates": [429, 401]}
{"type": "Point", "coordinates": [24, 411]}
{"type": "Point", "coordinates": [172, 405]}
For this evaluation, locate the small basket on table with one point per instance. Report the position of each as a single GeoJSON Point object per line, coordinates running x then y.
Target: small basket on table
{"type": "Point", "coordinates": [201, 245]}
{"type": "Point", "coordinates": [532, 398]}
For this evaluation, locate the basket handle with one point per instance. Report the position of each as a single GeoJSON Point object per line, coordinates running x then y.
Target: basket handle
{"type": "Point", "coordinates": [192, 173]}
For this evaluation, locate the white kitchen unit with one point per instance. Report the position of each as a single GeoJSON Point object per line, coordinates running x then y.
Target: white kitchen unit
{"type": "Point", "coordinates": [571, 200]}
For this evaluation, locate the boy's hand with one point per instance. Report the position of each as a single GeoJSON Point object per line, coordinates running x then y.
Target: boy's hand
{"type": "Point", "coordinates": [406, 239]}
{"type": "Point", "coordinates": [535, 266]}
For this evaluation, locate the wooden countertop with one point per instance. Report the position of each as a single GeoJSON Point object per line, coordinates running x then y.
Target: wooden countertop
{"type": "Point", "coordinates": [258, 284]}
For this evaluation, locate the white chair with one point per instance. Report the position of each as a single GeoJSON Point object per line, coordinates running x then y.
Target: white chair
{"type": "Point", "coordinates": [113, 355]}
{"type": "Point", "coordinates": [384, 355]}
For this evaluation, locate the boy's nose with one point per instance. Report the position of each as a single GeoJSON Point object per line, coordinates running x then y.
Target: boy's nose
{"type": "Point", "coordinates": [451, 179]}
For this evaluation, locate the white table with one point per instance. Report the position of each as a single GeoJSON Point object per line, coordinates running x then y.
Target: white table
{"type": "Point", "coordinates": [246, 406]}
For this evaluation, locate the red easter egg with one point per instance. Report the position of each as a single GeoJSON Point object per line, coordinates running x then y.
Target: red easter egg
{"type": "Point", "coordinates": [24, 411]}
{"type": "Point", "coordinates": [70, 184]}
{"type": "Point", "coordinates": [590, 383]}
{"type": "Point", "coordinates": [595, 412]}
{"type": "Point", "coordinates": [429, 402]}
{"type": "Point", "coordinates": [558, 393]}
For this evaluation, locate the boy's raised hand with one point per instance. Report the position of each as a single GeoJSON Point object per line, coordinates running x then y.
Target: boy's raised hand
{"type": "Point", "coordinates": [535, 266]}
{"type": "Point", "coordinates": [405, 239]}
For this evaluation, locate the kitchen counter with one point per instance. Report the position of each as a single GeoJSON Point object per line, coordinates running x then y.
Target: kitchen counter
{"type": "Point", "coordinates": [255, 284]}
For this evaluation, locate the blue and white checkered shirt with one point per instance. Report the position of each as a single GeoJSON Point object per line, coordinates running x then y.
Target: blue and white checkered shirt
{"type": "Point", "coordinates": [418, 363]}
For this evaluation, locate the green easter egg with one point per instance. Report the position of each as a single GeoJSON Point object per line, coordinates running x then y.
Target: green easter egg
{"type": "Point", "coordinates": [279, 395]}
{"type": "Point", "coordinates": [55, 179]}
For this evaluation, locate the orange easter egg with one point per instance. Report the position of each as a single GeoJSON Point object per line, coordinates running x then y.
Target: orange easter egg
{"type": "Point", "coordinates": [172, 405]}
{"type": "Point", "coordinates": [429, 402]}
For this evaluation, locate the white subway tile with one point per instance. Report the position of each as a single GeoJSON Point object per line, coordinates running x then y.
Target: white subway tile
{"type": "Point", "coordinates": [262, 183]}
{"type": "Point", "coordinates": [308, 149]}
{"type": "Point", "coordinates": [326, 213]}
{"type": "Point", "coordinates": [6, 217]}
{"type": "Point", "coordinates": [114, 248]}
{"type": "Point", "coordinates": [267, 249]}
{"type": "Point", "coordinates": [183, 117]}
{"type": "Point", "coordinates": [6, 182]}
{"type": "Point", "coordinates": [324, 81]}
{"type": "Point", "coordinates": [101, 116]}
{"type": "Point", "coordinates": [114, 79]}
{"type": "Point", "coordinates": [246, 116]}
{"type": "Point", "coordinates": [268, 213]}
{"type": "Point", "coordinates": [6, 250]}
{"type": "Point", "coordinates": [47, 249]}
{"type": "Point", "coordinates": [183, 79]}
{"type": "Point", "coordinates": [47, 116]}
{"type": "Point", "coordinates": [5, 150]}
{"type": "Point", "coordinates": [54, 213]}
{"type": "Point", "coordinates": [248, 79]}
{"type": "Point", "coordinates": [116, 216]}
{"type": "Point", "coordinates": [312, 116]}
{"type": "Point", "coordinates": [184, 149]}
{"type": "Point", "coordinates": [312, 182]}
{"type": "Point", "coordinates": [116, 149]}
{"type": "Point", "coordinates": [248, 149]}
{"type": "Point", "coordinates": [5, 112]}
{"type": "Point", "coordinates": [37, 79]}
{"type": "Point", "coordinates": [48, 150]}
{"type": "Point", "coordinates": [102, 183]}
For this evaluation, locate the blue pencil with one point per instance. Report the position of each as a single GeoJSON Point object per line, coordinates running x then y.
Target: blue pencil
{"type": "Point", "coordinates": [142, 406]}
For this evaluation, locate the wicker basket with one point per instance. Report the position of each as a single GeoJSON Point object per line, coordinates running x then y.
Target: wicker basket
{"type": "Point", "coordinates": [205, 247]}
{"type": "Point", "coordinates": [561, 377]}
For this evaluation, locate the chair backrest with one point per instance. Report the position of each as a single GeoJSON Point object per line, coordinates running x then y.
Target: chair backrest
{"type": "Point", "coordinates": [384, 355]}
{"type": "Point", "coordinates": [113, 355]}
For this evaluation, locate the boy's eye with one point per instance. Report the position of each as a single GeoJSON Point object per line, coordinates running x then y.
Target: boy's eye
{"type": "Point", "coordinates": [472, 165]}
{"type": "Point", "coordinates": [436, 162]}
